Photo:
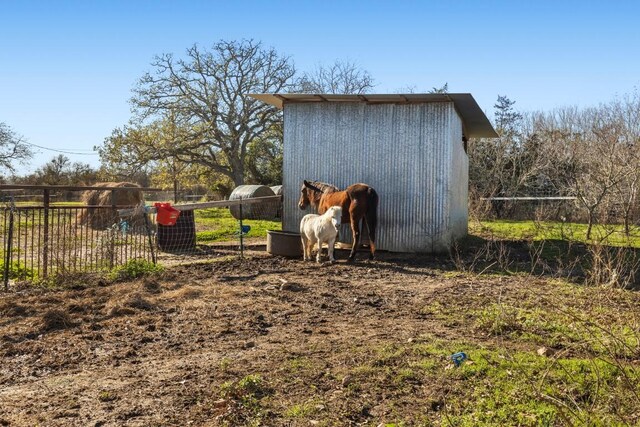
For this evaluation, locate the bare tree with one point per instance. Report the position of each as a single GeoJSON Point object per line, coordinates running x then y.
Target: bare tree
{"type": "Point", "coordinates": [342, 77]}
{"type": "Point", "coordinates": [414, 89]}
{"type": "Point", "coordinates": [442, 89]}
{"type": "Point", "coordinates": [507, 166]}
{"type": "Point", "coordinates": [13, 148]}
{"type": "Point", "coordinates": [591, 154]}
{"type": "Point", "coordinates": [624, 117]}
{"type": "Point", "coordinates": [207, 92]}
{"type": "Point", "coordinates": [587, 156]}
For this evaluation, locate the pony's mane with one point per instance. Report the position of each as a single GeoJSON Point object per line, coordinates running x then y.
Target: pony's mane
{"type": "Point", "coordinates": [324, 187]}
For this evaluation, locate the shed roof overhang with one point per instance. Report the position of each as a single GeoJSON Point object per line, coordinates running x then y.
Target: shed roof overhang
{"type": "Point", "coordinates": [475, 122]}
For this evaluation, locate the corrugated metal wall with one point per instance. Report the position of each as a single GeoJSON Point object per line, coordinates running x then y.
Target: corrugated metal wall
{"type": "Point", "coordinates": [412, 154]}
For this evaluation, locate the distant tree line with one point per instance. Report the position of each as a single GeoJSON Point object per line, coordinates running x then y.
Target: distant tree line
{"type": "Point", "coordinates": [592, 154]}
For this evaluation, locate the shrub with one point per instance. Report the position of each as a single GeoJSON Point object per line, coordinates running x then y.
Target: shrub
{"type": "Point", "coordinates": [17, 270]}
{"type": "Point", "coordinates": [135, 268]}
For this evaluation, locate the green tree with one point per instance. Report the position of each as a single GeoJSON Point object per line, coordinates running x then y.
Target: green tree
{"type": "Point", "coordinates": [60, 170]}
{"type": "Point", "coordinates": [506, 117]}
{"type": "Point", "coordinates": [55, 171]}
{"type": "Point", "coordinates": [442, 89]}
{"type": "Point", "coordinates": [152, 147]}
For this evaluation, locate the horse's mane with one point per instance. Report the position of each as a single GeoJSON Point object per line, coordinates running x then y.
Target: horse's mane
{"type": "Point", "coordinates": [324, 187]}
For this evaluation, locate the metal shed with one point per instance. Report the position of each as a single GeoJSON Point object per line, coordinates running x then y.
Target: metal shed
{"type": "Point", "coordinates": [410, 147]}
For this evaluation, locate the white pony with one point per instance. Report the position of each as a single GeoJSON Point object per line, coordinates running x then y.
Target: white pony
{"type": "Point", "coordinates": [320, 228]}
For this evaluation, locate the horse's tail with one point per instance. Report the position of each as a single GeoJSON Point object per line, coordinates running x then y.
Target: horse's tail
{"type": "Point", "coordinates": [372, 213]}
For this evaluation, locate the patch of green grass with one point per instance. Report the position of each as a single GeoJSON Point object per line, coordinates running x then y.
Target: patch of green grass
{"type": "Point", "coordinates": [135, 268]}
{"type": "Point", "coordinates": [562, 329]}
{"type": "Point", "coordinates": [522, 388]}
{"type": "Point", "coordinates": [106, 396]}
{"type": "Point", "coordinates": [17, 270]}
{"type": "Point", "coordinates": [244, 400]}
{"type": "Point", "coordinates": [508, 385]}
{"type": "Point", "coordinates": [299, 364]}
{"type": "Point", "coordinates": [549, 230]}
{"type": "Point", "coordinates": [225, 364]}
{"type": "Point", "coordinates": [217, 224]}
{"type": "Point", "coordinates": [302, 410]}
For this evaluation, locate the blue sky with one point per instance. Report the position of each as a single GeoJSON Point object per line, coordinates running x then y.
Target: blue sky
{"type": "Point", "coordinates": [67, 67]}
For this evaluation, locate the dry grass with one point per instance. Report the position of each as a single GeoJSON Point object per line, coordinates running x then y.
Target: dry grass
{"type": "Point", "coordinates": [127, 304]}
{"type": "Point", "coordinates": [151, 285]}
{"type": "Point", "coordinates": [187, 293]}
{"type": "Point", "coordinates": [56, 319]}
{"type": "Point", "coordinates": [359, 344]}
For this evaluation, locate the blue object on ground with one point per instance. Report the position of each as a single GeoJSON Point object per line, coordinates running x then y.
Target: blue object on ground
{"type": "Point", "coordinates": [245, 229]}
{"type": "Point", "coordinates": [458, 358]}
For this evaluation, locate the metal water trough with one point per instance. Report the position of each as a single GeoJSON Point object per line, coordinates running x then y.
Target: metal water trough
{"type": "Point", "coordinates": [284, 243]}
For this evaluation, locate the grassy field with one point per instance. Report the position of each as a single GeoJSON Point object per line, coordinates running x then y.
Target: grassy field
{"type": "Point", "coordinates": [217, 224]}
{"type": "Point", "coordinates": [612, 235]}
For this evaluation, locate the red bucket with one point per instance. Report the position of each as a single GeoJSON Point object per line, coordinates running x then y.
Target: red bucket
{"type": "Point", "coordinates": [166, 214]}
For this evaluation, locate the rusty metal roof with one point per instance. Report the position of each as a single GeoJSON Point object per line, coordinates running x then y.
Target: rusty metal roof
{"type": "Point", "coordinates": [476, 123]}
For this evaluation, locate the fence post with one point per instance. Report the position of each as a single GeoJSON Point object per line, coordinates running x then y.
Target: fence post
{"type": "Point", "coordinates": [110, 231]}
{"type": "Point", "coordinates": [241, 240]}
{"type": "Point", "coordinates": [7, 260]}
{"type": "Point", "coordinates": [148, 227]}
{"type": "Point", "coordinates": [45, 238]}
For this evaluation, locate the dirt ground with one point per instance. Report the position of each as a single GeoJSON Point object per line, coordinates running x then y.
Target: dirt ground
{"type": "Point", "coordinates": [259, 341]}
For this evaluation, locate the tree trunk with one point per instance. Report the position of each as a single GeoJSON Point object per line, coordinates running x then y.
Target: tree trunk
{"type": "Point", "coordinates": [175, 191]}
{"type": "Point", "coordinates": [237, 170]}
{"type": "Point", "coordinates": [590, 225]}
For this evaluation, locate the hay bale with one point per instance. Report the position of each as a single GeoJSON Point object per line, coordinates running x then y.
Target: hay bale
{"type": "Point", "coordinates": [266, 210]}
{"type": "Point", "coordinates": [100, 218]}
{"type": "Point", "coordinates": [278, 191]}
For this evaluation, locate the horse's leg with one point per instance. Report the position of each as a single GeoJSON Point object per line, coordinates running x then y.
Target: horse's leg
{"type": "Point", "coordinates": [310, 245]}
{"type": "Point", "coordinates": [372, 245]}
{"type": "Point", "coordinates": [355, 231]}
{"type": "Point", "coordinates": [304, 246]}
{"type": "Point", "coordinates": [330, 246]}
{"type": "Point", "coordinates": [371, 219]}
{"type": "Point", "coordinates": [319, 256]}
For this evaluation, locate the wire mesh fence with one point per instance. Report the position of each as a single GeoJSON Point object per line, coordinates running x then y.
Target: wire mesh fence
{"type": "Point", "coordinates": [39, 240]}
{"type": "Point", "coordinates": [219, 228]}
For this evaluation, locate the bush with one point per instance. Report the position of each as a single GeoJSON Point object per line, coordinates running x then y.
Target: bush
{"type": "Point", "coordinates": [17, 270]}
{"type": "Point", "coordinates": [135, 268]}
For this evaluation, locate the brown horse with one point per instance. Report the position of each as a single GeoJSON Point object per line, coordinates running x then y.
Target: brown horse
{"type": "Point", "coordinates": [358, 202]}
